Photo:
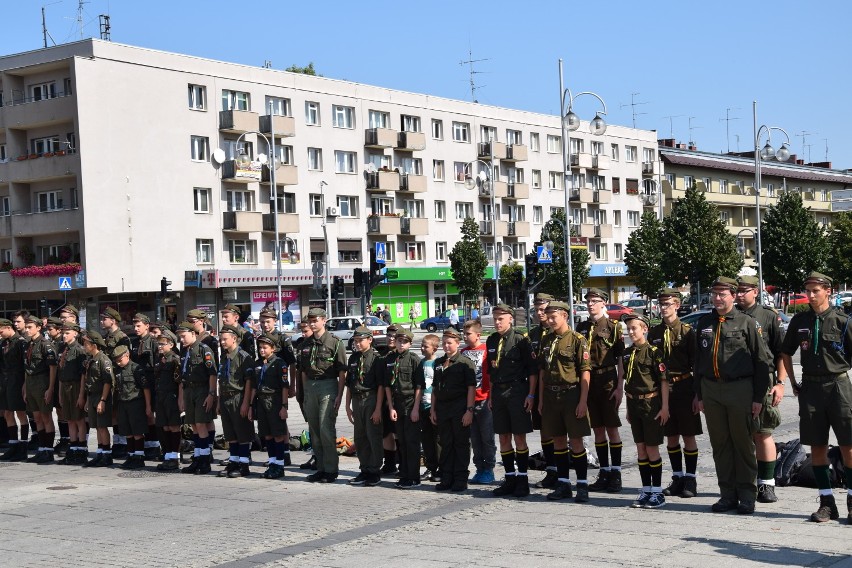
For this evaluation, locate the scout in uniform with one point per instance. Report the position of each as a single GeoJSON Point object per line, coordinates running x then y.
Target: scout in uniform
{"type": "Point", "coordinates": [130, 404]}
{"type": "Point", "coordinates": [198, 319]}
{"type": "Point", "coordinates": [732, 369]}
{"type": "Point", "coordinates": [428, 434]}
{"type": "Point", "coordinates": [144, 354]}
{"type": "Point", "coordinates": [231, 316]}
{"type": "Point", "coordinates": [453, 393]}
{"type": "Point", "coordinates": [824, 335]}
{"type": "Point", "coordinates": [53, 328]}
{"type": "Point", "coordinates": [538, 337]}
{"type": "Point", "coordinates": [98, 396]}
{"type": "Point", "coordinates": [270, 384]}
{"type": "Point", "coordinates": [284, 351]}
{"type": "Point", "coordinates": [676, 341]}
{"type": "Point", "coordinates": [235, 395]}
{"type": "Point", "coordinates": [69, 314]}
{"type": "Point", "coordinates": [388, 427]}
{"type": "Point", "coordinates": [403, 395]}
{"type": "Point", "coordinates": [14, 348]}
{"type": "Point", "coordinates": [40, 383]}
{"type": "Point", "coordinates": [514, 384]}
{"type": "Point", "coordinates": [71, 377]}
{"type": "Point", "coordinates": [647, 391]}
{"type": "Point", "coordinates": [198, 375]}
{"type": "Point", "coordinates": [482, 427]}
{"type": "Point", "coordinates": [306, 332]}
{"type": "Point", "coordinates": [770, 414]}
{"type": "Point", "coordinates": [364, 398]}
{"type": "Point", "coordinates": [563, 401]}
{"type": "Point", "coordinates": [167, 377]}
{"type": "Point", "coordinates": [323, 366]}
{"type": "Point", "coordinates": [113, 337]}
{"type": "Point", "coordinates": [606, 348]}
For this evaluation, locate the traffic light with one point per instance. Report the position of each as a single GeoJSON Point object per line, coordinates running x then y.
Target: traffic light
{"type": "Point", "coordinates": [42, 305]}
{"type": "Point", "coordinates": [337, 290]}
{"type": "Point", "coordinates": [376, 275]}
{"type": "Point", "coordinates": [358, 281]}
{"type": "Point", "coordinates": [531, 265]}
{"type": "Point", "coordinates": [324, 292]}
{"type": "Point", "coordinates": [164, 285]}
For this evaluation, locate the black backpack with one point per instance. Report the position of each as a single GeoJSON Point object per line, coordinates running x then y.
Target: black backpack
{"type": "Point", "coordinates": [791, 456]}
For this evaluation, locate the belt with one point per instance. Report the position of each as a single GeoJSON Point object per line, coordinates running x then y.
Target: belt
{"type": "Point", "coordinates": [226, 394]}
{"type": "Point", "coordinates": [645, 396]}
{"type": "Point", "coordinates": [676, 378]}
{"type": "Point", "coordinates": [560, 388]}
{"type": "Point", "coordinates": [322, 378]}
{"type": "Point", "coordinates": [509, 384]}
{"type": "Point", "coordinates": [363, 394]}
{"type": "Point", "coordinates": [728, 380]}
{"type": "Point", "coordinates": [603, 370]}
{"type": "Point", "coordinates": [824, 378]}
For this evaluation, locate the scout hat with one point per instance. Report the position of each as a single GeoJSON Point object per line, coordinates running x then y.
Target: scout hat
{"type": "Point", "coordinates": [669, 293]}
{"type": "Point", "coordinates": [54, 322]}
{"type": "Point", "coordinates": [69, 326]}
{"type": "Point", "coordinates": [726, 283]}
{"type": "Point", "coordinates": [168, 336]}
{"type": "Point", "coordinates": [197, 314]}
{"type": "Point", "coordinates": [317, 313]}
{"type": "Point", "coordinates": [229, 329]}
{"type": "Point", "coordinates": [96, 338]}
{"type": "Point", "coordinates": [543, 298]}
{"type": "Point", "coordinates": [68, 308]}
{"type": "Point", "coordinates": [631, 317]}
{"type": "Point", "coordinates": [392, 329]}
{"type": "Point", "coordinates": [160, 324]}
{"type": "Point", "coordinates": [231, 308]}
{"type": "Point", "coordinates": [5, 322]}
{"type": "Point", "coordinates": [141, 317]}
{"type": "Point", "coordinates": [404, 333]}
{"type": "Point", "coordinates": [185, 326]}
{"type": "Point", "coordinates": [119, 351]}
{"type": "Point", "coordinates": [503, 309]}
{"type": "Point", "coordinates": [35, 320]}
{"type": "Point", "coordinates": [450, 332]}
{"type": "Point", "coordinates": [269, 313]}
{"type": "Point", "coordinates": [558, 305]}
{"type": "Point", "coordinates": [362, 331]}
{"type": "Point", "coordinates": [597, 292]}
{"type": "Point", "coordinates": [111, 313]}
{"type": "Point", "coordinates": [817, 278]}
{"type": "Point", "coordinates": [265, 339]}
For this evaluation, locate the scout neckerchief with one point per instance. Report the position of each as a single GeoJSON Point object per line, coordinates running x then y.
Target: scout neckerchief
{"type": "Point", "coordinates": [185, 361]}
{"type": "Point", "coordinates": [499, 352]}
{"type": "Point", "coordinates": [262, 372]}
{"type": "Point", "coordinates": [30, 351]}
{"type": "Point", "coordinates": [139, 348]}
{"type": "Point", "coordinates": [607, 343]}
{"type": "Point", "coordinates": [630, 365]}
{"type": "Point", "coordinates": [552, 349]}
{"type": "Point", "coordinates": [396, 368]}
{"type": "Point", "coordinates": [716, 346]}
{"type": "Point", "coordinates": [314, 351]}
{"type": "Point", "coordinates": [361, 369]}
{"type": "Point", "coordinates": [225, 370]}
{"type": "Point", "coordinates": [667, 342]}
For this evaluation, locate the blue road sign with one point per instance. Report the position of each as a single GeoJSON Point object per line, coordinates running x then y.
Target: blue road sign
{"type": "Point", "coordinates": [544, 256]}
{"type": "Point", "coordinates": [381, 253]}
{"type": "Point", "coordinates": [65, 283]}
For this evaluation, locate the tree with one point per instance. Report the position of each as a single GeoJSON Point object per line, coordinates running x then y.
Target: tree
{"type": "Point", "coordinates": [697, 245]}
{"type": "Point", "coordinates": [309, 70]}
{"type": "Point", "coordinates": [792, 241]}
{"type": "Point", "coordinates": [510, 276]}
{"type": "Point", "coordinates": [556, 274]}
{"type": "Point", "coordinates": [468, 261]}
{"type": "Point", "coordinates": [840, 247]}
{"type": "Point", "coordinates": [644, 255]}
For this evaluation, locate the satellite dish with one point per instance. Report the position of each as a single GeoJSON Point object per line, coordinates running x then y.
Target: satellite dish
{"type": "Point", "coordinates": [218, 155]}
{"type": "Point", "coordinates": [262, 158]}
{"type": "Point", "coordinates": [652, 199]}
{"type": "Point", "coordinates": [370, 168]}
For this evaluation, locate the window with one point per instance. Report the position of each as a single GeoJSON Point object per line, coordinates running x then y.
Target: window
{"type": "Point", "coordinates": [823, 195]}
{"type": "Point", "coordinates": [342, 116]}
{"type": "Point", "coordinates": [204, 251]}
{"type": "Point", "coordinates": [577, 145]}
{"type": "Point", "coordinates": [312, 113]}
{"type": "Point", "coordinates": [344, 162]}
{"type": "Point", "coordinates": [66, 86]}
{"type": "Point", "coordinates": [410, 123]}
{"type": "Point", "coordinates": [597, 148]}
{"type": "Point", "coordinates": [554, 211]}
{"type": "Point", "coordinates": [381, 205]}
{"type": "Point", "coordinates": [379, 161]}
{"type": "Point", "coordinates": [535, 144]}
{"type": "Point", "coordinates": [489, 251]}
{"type": "Point", "coordinates": [242, 251]}
{"type": "Point", "coordinates": [632, 186]}
{"type": "Point", "coordinates": [197, 97]}
{"type": "Point", "coordinates": [201, 199]}
{"type": "Point", "coordinates": [598, 182]}
{"type": "Point", "coordinates": [315, 201]}
{"type": "Point", "coordinates": [441, 252]}
{"type": "Point", "coordinates": [740, 186]}
{"type": "Point", "coordinates": [555, 180]}
{"type": "Point", "coordinates": [514, 137]}
{"type": "Point", "coordinates": [513, 175]}
{"type": "Point", "coordinates": [52, 254]}
{"type": "Point", "coordinates": [599, 216]}
{"type": "Point", "coordinates": [200, 148]}
{"type": "Point", "coordinates": [459, 170]}
{"type": "Point", "coordinates": [349, 255]}
{"type": "Point", "coordinates": [461, 132]}
{"type": "Point", "coordinates": [671, 179]}
{"type": "Point", "coordinates": [707, 183]}
{"type": "Point", "coordinates": [3, 156]}
{"type": "Point", "coordinates": [464, 210]}
{"type": "Point", "coordinates": [440, 210]}
{"type": "Point", "coordinates": [42, 145]}
{"type": "Point", "coordinates": [536, 179]}
{"type": "Point", "coordinates": [5, 209]}
{"type": "Point", "coordinates": [579, 216]}
{"type": "Point", "coordinates": [438, 170]}
{"type": "Point", "coordinates": [235, 100]}
{"type": "Point", "coordinates": [70, 145]}
{"type": "Point", "coordinates": [616, 218]}
{"type": "Point", "coordinates": [770, 189]}
{"type": "Point", "coordinates": [390, 251]}
{"type": "Point", "coordinates": [537, 215]}
{"type": "Point", "coordinates": [823, 221]}
{"type": "Point", "coordinates": [414, 208]}
{"type": "Point", "coordinates": [315, 159]}
{"type": "Point", "coordinates": [412, 166]}
{"type": "Point", "coordinates": [616, 185]}
{"type": "Point", "coordinates": [488, 133]}
{"type": "Point", "coordinates": [347, 205]}
{"type": "Point", "coordinates": [415, 252]}
{"type": "Point", "coordinates": [239, 200]}
{"type": "Point", "coordinates": [43, 91]}
{"type": "Point", "coordinates": [49, 201]}
{"type": "Point", "coordinates": [379, 119]}
{"type": "Point", "coordinates": [437, 129]}
{"type": "Point", "coordinates": [688, 181]}
{"type": "Point", "coordinates": [630, 153]}
{"type": "Point", "coordinates": [632, 218]}
{"type": "Point", "coordinates": [280, 106]}
{"type": "Point", "coordinates": [723, 186]}
{"type": "Point", "coordinates": [725, 216]}
{"type": "Point", "coordinates": [286, 203]}
{"type": "Point", "coordinates": [614, 152]}
{"type": "Point", "coordinates": [600, 251]}
{"type": "Point", "coordinates": [554, 144]}
{"type": "Point", "coordinates": [618, 251]}
{"type": "Point", "coordinates": [284, 154]}
{"type": "Point", "coordinates": [517, 212]}
{"type": "Point", "coordinates": [649, 155]}
{"type": "Point", "coordinates": [6, 256]}
{"type": "Point", "coordinates": [519, 250]}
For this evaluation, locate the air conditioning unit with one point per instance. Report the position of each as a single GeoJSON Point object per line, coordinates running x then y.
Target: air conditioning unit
{"type": "Point", "coordinates": [331, 212]}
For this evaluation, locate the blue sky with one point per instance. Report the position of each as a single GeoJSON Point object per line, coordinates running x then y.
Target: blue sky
{"type": "Point", "coordinates": [684, 59]}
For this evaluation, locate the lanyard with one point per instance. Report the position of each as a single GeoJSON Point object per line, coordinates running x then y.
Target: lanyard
{"type": "Point", "coordinates": [361, 369]}
{"type": "Point", "coordinates": [816, 334]}
{"type": "Point", "coordinates": [630, 366]}
{"type": "Point", "coordinates": [716, 346]}
{"type": "Point", "coordinates": [185, 362]}
{"type": "Point", "coordinates": [605, 342]}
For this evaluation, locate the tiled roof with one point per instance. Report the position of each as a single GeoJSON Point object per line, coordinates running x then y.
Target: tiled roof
{"type": "Point", "coordinates": [735, 164]}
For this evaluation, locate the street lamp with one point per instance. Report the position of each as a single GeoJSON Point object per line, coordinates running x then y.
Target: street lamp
{"type": "Point", "coordinates": [571, 122]}
{"type": "Point", "coordinates": [549, 245]}
{"type": "Point", "coordinates": [741, 247]}
{"type": "Point", "coordinates": [484, 181]}
{"type": "Point", "coordinates": [653, 196]}
{"type": "Point", "coordinates": [765, 153]}
{"type": "Point", "coordinates": [325, 242]}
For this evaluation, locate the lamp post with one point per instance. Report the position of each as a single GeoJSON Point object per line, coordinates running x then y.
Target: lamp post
{"type": "Point", "coordinates": [655, 197]}
{"type": "Point", "coordinates": [741, 248]}
{"type": "Point", "coordinates": [571, 122]}
{"type": "Point", "coordinates": [766, 153]}
{"type": "Point", "coordinates": [484, 180]}
{"type": "Point", "coordinates": [325, 242]}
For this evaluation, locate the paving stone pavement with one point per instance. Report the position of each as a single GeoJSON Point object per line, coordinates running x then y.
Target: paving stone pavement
{"type": "Point", "coordinates": [68, 516]}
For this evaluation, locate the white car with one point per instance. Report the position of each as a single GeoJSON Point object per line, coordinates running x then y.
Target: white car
{"type": "Point", "coordinates": [343, 327]}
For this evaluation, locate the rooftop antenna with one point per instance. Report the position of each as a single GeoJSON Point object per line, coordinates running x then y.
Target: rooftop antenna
{"type": "Point", "coordinates": [804, 136]}
{"type": "Point", "coordinates": [470, 61]}
{"type": "Point", "coordinates": [691, 128]}
{"type": "Point", "coordinates": [737, 136]}
{"type": "Point", "coordinates": [808, 146]}
{"type": "Point", "coordinates": [671, 125]}
{"type": "Point", "coordinates": [80, 4]}
{"type": "Point", "coordinates": [633, 104]}
{"type": "Point", "coordinates": [728, 118]}
{"type": "Point", "coordinates": [267, 64]}
{"type": "Point", "coordinates": [826, 148]}
{"type": "Point", "coordinates": [105, 27]}
{"type": "Point", "coordinates": [44, 33]}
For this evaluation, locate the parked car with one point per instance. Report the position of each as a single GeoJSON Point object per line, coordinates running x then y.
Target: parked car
{"type": "Point", "coordinates": [693, 318]}
{"type": "Point", "coordinates": [638, 305]}
{"type": "Point", "coordinates": [581, 312]}
{"type": "Point", "coordinates": [343, 327]}
{"type": "Point", "coordinates": [798, 300]}
{"type": "Point", "coordinates": [486, 318]}
{"type": "Point", "coordinates": [442, 321]}
{"type": "Point", "coordinates": [617, 311]}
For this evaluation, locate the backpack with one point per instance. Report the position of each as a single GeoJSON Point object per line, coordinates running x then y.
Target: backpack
{"type": "Point", "coordinates": [806, 478]}
{"type": "Point", "coordinates": [791, 457]}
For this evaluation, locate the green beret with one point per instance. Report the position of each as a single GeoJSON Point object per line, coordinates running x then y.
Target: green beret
{"type": "Point", "coordinates": [119, 351]}
{"type": "Point", "coordinates": [229, 329]}
{"type": "Point", "coordinates": [111, 313]}
{"type": "Point", "coordinates": [362, 331]}
{"type": "Point", "coordinates": [452, 332]}
{"type": "Point", "coordinates": [54, 322]}
{"type": "Point", "coordinates": [69, 309]}
{"type": "Point", "coordinates": [597, 292]}
{"type": "Point", "coordinates": [96, 338]}
{"type": "Point", "coordinates": [268, 340]}
{"type": "Point", "coordinates": [197, 314]}
{"type": "Point", "coordinates": [6, 323]}
{"type": "Point", "coordinates": [725, 282]}
{"type": "Point", "coordinates": [635, 316]}
{"type": "Point", "coordinates": [542, 298]}
{"type": "Point", "coordinates": [231, 308]}
{"type": "Point", "coordinates": [317, 313]}
{"type": "Point", "coordinates": [558, 305]}
{"type": "Point", "coordinates": [168, 336]}
{"type": "Point", "coordinates": [269, 313]}
{"type": "Point", "coordinates": [34, 319]}
{"type": "Point", "coordinates": [818, 278]}
{"type": "Point", "coordinates": [186, 326]}
{"type": "Point", "coordinates": [70, 326]}
{"type": "Point", "coordinates": [503, 309]}
{"type": "Point", "coordinates": [141, 317]}
{"type": "Point", "coordinates": [405, 333]}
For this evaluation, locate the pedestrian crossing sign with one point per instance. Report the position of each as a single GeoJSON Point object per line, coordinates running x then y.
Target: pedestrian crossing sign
{"type": "Point", "coordinates": [381, 253]}
{"type": "Point", "coordinates": [544, 256]}
{"type": "Point", "coordinates": [64, 283]}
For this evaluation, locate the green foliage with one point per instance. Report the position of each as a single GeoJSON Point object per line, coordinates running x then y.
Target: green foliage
{"type": "Point", "coordinates": [644, 255]}
{"type": "Point", "coordinates": [798, 308]}
{"type": "Point", "coordinates": [509, 276]}
{"type": "Point", "coordinates": [309, 70]}
{"type": "Point", "coordinates": [556, 274]}
{"type": "Point", "coordinates": [468, 261]}
{"type": "Point", "coordinates": [793, 243]}
{"type": "Point", "coordinates": [697, 244]}
{"type": "Point", "coordinates": [840, 249]}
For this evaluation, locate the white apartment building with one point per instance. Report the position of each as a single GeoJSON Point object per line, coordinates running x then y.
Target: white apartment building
{"type": "Point", "coordinates": [108, 157]}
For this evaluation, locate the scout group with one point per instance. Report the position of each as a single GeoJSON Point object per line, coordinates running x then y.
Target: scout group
{"type": "Point", "coordinates": [731, 366]}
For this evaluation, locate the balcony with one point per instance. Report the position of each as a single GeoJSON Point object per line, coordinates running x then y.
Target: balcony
{"type": "Point", "coordinates": [46, 222]}
{"type": "Point", "coordinates": [383, 225]}
{"type": "Point", "coordinates": [410, 141]}
{"type": "Point", "coordinates": [412, 183]}
{"type": "Point", "coordinates": [601, 196]}
{"type": "Point", "coordinates": [237, 121]}
{"type": "Point", "coordinates": [485, 229]}
{"type": "Point", "coordinates": [516, 190]}
{"type": "Point", "coordinates": [234, 174]}
{"type": "Point", "coordinates": [242, 221]}
{"type": "Point", "coordinates": [414, 227]}
{"type": "Point", "coordinates": [581, 160]}
{"type": "Point", "coordinates": [380, 138]}
{"type": "Point", "coordinates": [600, 162]}
{"type": "Point", "coordinates": [5, 226]}
{"type": "Point", "coordinates": [485, 149]}
{"type": "Point", "coordinates": [583, 195]}
{"type": "Point", "coordinates": [586, 229]}
{"type": "Point", "coordinates": [286, 174]}
{"type": "Point", "coordinates": [603, 231]}
{"type": "Point", "coordinates": [281, 125]}
{"type": "Point", "coordinates": [22, 285]}
{"type": "Point", "coordinates": [649, 168]}
{"type": "Point", "coordinates": [44, 167]}
{"type": "Point", "coordinates": [287, 223]}
{"type": "Point", "coordinates": [516, 153]}
{"type": "Point", "coordinates": [35, 114]}
{"type": "Point", "coordinates": [513, 229]}
{"type": "Point", "coordinates": [383, 181]}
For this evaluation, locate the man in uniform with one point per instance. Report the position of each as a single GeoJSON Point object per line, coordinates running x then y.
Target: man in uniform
{"type": "Point", "coordinates": [322, 362]}
{"type": "Point", "coordinates": [307, 333]}
{"type": "Point", "coordinates": [824, 335]}
{"type": "Point", "coordinates": [40, 384]}
{"type": "Point", "coordinates": [130, 402]}
{"type": "Point", "coordinates": [511, 368]}
{"type": "Point", "coordinates": [388, 427]}
{"type": "Point", "coordinates": [538, 336]}
{"type": "Point", "coordinates": [14, 348]}
{"type": "Point", "coordinates": [732, 372]}
{"type": "Point", "coordinates": [231, 316]}
{"type": "Point", "coordinates": [770, 414]}
{"type": "Point", "coordinates": [676, 341]}
{"type": "Point", "coordinates": [97, 395]}
{"type": "Point", "coordinates": [235, 395]}
{"type": "Point", "coordinates": [144, 354]}
{"type": "Point", "coordinates": [71, 374]}
{"type": "Point", "coordinates": [364, 399]}
{"type": "Point", "coordinates": [113, 337]}
{"type": "Point", "coordinates": [606, 347]}
{"type": "Point", "coordinates": [563, 401]}
{"type": "Point", "coordinates": [53, 329]}
{"type": "Point", "coordinates": [403, 396]}
{"type": "Point", "coordinates": [167, 376]}
{"type": "Point", "coordinates": [69, 314]}
{"type": "Point", "coordinates": [198, 374]}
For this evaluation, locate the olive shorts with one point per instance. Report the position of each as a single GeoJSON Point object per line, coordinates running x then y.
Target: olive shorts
{"type": "Point", "coordinates": [269, 423]}
{"type": "Point", "coordinates": [166, 409]}
{"type": "Point", "coordinates": [507, 408]}
{"type": "Point", "coordinates": [132, 420]}
{"type": "Point", "coordinates": [99, 420]}
{"type": "Point", "coordinates": [37, 385]}
{"type": "Point", "coordinates": [603, 411]}
{"type": "Point", "coordinates": [770, 416]}
{"type": "Point", "coordinates": [69, 392]}
{"type": "Point", "coordinates": [824, 405]}
{"type": "Point", "coordinates": [234, 426]}
{"type": "Point", "coordinates": [2, 395]}
{"type": "Point", "coordinates": [193, 404]}
{"type": "Point", "coordinates": [15, 394]}
{"type": "Point", "coordinates": [682, 421]}
{"type": "Point", "coordinates": [645, 428]}
{"type": "Point", "coordinates": [558, 414]}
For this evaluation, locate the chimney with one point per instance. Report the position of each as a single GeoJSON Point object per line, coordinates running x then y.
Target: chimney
{"type": "Point", "coordinates": [826, 165]}
{"type": "Point", "coordinates": [666, 142]}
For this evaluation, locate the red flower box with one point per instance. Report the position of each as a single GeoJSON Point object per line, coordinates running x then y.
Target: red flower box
{"type": "Point", "coordinates": [68, 269]}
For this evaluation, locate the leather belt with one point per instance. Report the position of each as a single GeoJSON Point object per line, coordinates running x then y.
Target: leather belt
{"type": "Point", "coordinates": [363, 394]}
{"type": "Point", "coordinates": [560, 388]}
{"type": "Point", "coordinates": [645, 396]}
{"type": "Point", "coordinates": [508, 384]}
{"type": "Point", "coordinates": [728, 380]}
{"type": "Point", "coordinates": [228, 394]}
{"type": "Point", "coordinates": [825, 378]}
{"type": "Point", "coordinates": [603, 370]}
{"type": "Point", "coordinates": [675, 378]}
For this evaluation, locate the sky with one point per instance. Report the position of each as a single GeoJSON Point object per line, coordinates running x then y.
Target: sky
{"type": "Point", "coordinates": [674, 60]}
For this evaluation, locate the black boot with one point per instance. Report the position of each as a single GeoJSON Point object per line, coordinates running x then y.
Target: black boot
{"type": "Point", "coordinates": [827, 510]}
{"type": "Point", "coordinates": [62, 447]}
{"type": "Point", "coordinates": [192, 467]}
{"type": "Point", "coordinates": [204, 466]}
{"type": "Point", "coordinates": [522, 486]}
{"type": "Point", "coordinates": [94, 461]}
{"type": "Point", "coordinates": [229, 467]}
{"type": "Point", "coordinates": [602, 482]}
{"type": "Point", "coordinates": [45, 457]}
{"type": "Point", "coordinates": [106, 460]}
{"type": "Point", "coordinates": [614, 481]}
{"type": "Point", "coordinates": [242, 470]}
{"type": "Point", "coordinates": [690, 487]}
{"type": "Point", "coordinates": [119, 451]}
{"type": "Point", "coordinates": [675, 488]}
{"type": "Point", "coordinates": [507, 487]}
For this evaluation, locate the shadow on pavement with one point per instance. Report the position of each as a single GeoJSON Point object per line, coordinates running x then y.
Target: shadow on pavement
{"type": "Point", "coordinates": [785, 555]}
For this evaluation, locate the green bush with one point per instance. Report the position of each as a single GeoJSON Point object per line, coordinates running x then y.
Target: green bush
{"type": "Point", "coordinates": [798, 308]}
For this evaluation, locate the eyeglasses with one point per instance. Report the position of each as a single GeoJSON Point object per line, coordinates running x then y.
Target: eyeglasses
{"type": "Point", "coordinates": [722, 294]}
{"type": "Point", "coordinates": [590, 302]}
{"type": "Point", "coordinates": [667, 304]}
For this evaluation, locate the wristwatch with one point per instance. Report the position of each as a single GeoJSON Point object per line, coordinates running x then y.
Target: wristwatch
{"type": "Point", "coordinates": [212, 393]}
{"type": "Point", "coordinates": [470, 409]}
